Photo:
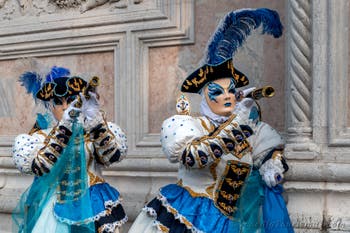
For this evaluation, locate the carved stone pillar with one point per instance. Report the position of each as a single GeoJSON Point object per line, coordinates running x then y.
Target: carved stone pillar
{"type": "Point", "coordinates": [299, 80]}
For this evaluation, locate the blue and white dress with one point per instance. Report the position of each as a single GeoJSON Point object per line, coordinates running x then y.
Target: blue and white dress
{"type": "Point", "coordinates": [219, 187]}
{"type": "Point", "coordinates": [80, 197]}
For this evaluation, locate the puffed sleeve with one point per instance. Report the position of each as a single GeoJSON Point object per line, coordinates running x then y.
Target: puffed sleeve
{"type": "Point", "coordinates": [110, 143]}
{"type": "Point", "coordinates": [196, 148]}
{"type": "Point", "coordinates": [176, 133]}
{"type": "Point", "coordinates": [265, 140]}
{"type": "Point", "coordinates": [25, 148]}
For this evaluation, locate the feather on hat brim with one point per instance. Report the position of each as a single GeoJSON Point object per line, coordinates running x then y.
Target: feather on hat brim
{"type": "Point", "coordinates": [230, 35]}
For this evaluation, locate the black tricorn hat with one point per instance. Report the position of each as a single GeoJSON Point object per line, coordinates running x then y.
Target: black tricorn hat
{"type": "Point", "coordinates": [61, 87]}
{"type": "Point", "coordinates": [200, 77]}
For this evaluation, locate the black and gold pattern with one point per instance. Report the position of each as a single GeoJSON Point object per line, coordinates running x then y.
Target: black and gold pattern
{"type": "Point", "coordinates": [227, 139]}
{"type": "Point", "coordinates": [60, 87]}
{"type": "Point", "coordinates": [54, 145]}
{"type": "Point", "coordinates": [197, 80]}
{"type": "Point", "coordinates": [106, 151]}
{"type": "Point", "coordinates": [230, 187]}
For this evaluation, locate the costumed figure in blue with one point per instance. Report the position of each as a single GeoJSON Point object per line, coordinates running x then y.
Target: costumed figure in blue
{"type": "Point", "coordinates": [65, 151]}
{"type": "Point", "coordinates": [231, 164]}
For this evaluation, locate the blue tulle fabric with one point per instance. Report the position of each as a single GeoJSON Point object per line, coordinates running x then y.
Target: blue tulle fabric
{"type": "Point", "coordinates": [68, 181]}
{"type": "Point", "coordinates": [276, 218]}
{"type": "Point", "coordinates": [206, 217]}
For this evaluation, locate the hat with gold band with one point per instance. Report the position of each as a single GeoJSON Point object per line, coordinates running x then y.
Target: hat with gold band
{"type": "Point", "coordinates": [56, 83]}
{"type": "Point", "coordinates": [200, 77]}
{"type": "Point", "coordinates": [228, 37]}
{"type": "Point", "coordinates": [61, 87]}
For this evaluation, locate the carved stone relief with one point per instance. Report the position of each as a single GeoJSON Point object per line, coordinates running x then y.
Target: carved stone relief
{"type": "Point", "coordinates": [90, 4]}
{"type": "Point", "coordinates": [10, 9]}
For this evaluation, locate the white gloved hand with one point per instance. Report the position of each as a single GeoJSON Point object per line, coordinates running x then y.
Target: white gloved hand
{"type": "Point", "coordinates": [272, 172]}
{"type": "Point", "coordinates": [90, 107]}
{"type": "Point", "coordinates": [71, 113]}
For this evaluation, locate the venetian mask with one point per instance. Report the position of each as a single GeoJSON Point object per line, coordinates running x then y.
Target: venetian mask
{"type": "Point", "coordinates": [220, 96]}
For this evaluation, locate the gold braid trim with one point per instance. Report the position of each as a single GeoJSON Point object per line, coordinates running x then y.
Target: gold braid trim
{"type": "Point", "coordinates": [203, 140]}
{"type": "Point", "coordinates": [162, 227]}
{"type": "Point", "coordinates": [206, 127]}
{"type": "Point", "coordinates": [41, 133]}
{"type": "Point", "coordinates": [93, 179]}
{"type": "Point", "coordinates": [191, 192]}
{"type": "Point", "coordinates": [215, 134]}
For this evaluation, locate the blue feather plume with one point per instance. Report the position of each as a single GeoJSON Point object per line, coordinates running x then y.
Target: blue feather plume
{"type": "Point", "coordinates": [31, 81]}
{"type": "Point", "coordinates": [57, 72]}
{"type": "Point", "coordinates": [234, 29]}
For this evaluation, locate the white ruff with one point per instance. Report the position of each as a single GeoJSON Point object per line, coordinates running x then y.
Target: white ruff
{"type": "Point", "coordinates": [206, 111]}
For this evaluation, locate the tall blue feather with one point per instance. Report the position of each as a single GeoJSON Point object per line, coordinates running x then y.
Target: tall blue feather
{"type": "Point", "coordinates": [31, 81]}
{"type": "Point", "coordinates": [234, 29]}
{"type": "Point", "coordinates": [57, 72]}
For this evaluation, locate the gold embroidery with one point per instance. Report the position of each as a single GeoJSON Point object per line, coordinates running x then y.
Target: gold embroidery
{"type": "Point", "coordinates": [200, 81]}
{"type": "Point", "coordinates": [201, 73]}
{"type": "Point", "coordinates": [46, 91]}
{"type": "Point", "coordinates": [234, 184]}
{"type": "Point", "coordinates": [230, 186]}
{"type": "Point", "coordinates": [76, 84]}
{"type": "Point", "coordinates": [188, 83]}
{"type": "Point", "coordinates": [65, 183]}
{"type": "Point", "coordinates": [239, 171]}
{"type": "Point", "coordinates": [242, 148]}
{"type": "Point", "coordinates": [229, 209]}
{"type": "Point", "coordinates": [228, 196]}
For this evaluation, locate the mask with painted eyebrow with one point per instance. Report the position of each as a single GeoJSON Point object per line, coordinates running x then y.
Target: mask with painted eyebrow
{"type": "Point", "coordinates": [214, 90]}
{"type": "Point", "coordinates": [232, 88]}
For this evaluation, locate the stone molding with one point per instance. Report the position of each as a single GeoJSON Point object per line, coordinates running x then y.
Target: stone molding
{"type": "Point", "coordinates": [128, 35]}
{"type": "Point", "coordinates": [337, 78]}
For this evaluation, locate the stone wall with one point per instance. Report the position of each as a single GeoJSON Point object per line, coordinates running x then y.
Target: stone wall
{"type": "Point", "coordinates": [143, 49]}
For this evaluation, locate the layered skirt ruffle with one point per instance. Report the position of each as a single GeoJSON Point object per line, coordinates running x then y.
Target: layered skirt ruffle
{"type": "Point", "coordinates": [175, 210]}
{"type": "Point", "coordinates": [108, 213]}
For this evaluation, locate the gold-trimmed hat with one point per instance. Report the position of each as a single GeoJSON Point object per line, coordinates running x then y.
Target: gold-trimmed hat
{"type": "Point", "coordinates": [228, 37]}
{"type": "Point", "coordinates": [200, 77]}
{"type": "Point", "coordinates": [60, 87]}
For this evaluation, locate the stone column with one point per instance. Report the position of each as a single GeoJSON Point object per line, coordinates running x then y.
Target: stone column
{"type": "Point", "coordinates": [299, 80]}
